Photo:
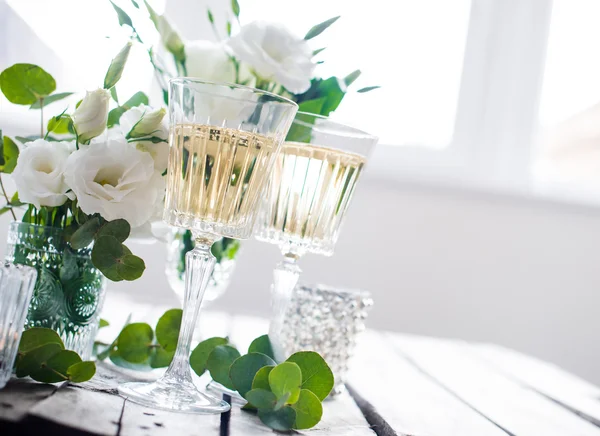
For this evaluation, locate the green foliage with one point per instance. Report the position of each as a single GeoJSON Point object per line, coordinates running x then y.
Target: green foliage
{"type": "Point", "coordinates": [115, 260]}
{"type": "Point", "coordinates": [50, 99]}
{"type": "Point", "coordinates": [43, 357]}
{"type": "Point", "coordinates": [351, 78]}
{"type": "Point", "coordinates": [280, 420]}
{"type": "Point", "coordinates": [262, 399]}
{"type": "Point", "coordinates": [244, 369]}
{"type": "Point", "coordinates": [117, 65]}
{"type": "Point", "coordinates": [218, 363]}
{"type": "Point", "coordinates": [262, 344]}
{"type": "Point", "coordinates": [26, 84]}
{"type": "Point", "coordinates": [320, 28]}
{"type": "Point", "coordinates": [125, 20]}
{"type": "Point", "coordinates": [261, 379]}
{"type": "Point", "coordinates": [167, 329]}
{"type": "Point", "coordinates": [368, 88]}
{"type": "Point", "coordinates": [133, 342]}
{"type": "Point", "coordinates": [202, 351]}
{"type": "Point", "coordinates": [308, 410]}
{"type": "Point", "coordinates": [235, 8]}
{"type": "Point", "coordinates": [115, 114]}
{"type": "Point", "coordinates": [10, 153]}
{"type": "Point", "coordinates": [285, 380]}
{"type": "Point", "coordinates": [316, 374]}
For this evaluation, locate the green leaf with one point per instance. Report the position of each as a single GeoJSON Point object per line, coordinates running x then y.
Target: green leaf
{"type": "Point", "coordinates": [210, 16]}
{"type": "Point", "coordinates": [113, 94]}
{"type": "Point", "coordinates": [69, 269]}
{"type": "Point", "coordinates": [261, 379]}
{"type": "Point", "coordinates": [34, 359]}
{"type": "Point", "coordinates": [103, 323]}
{"type": "Point", "coordinates": [167, 329]}
{"type": "Point", "coordinates": [368, 88]}
{"type": "Point", "coordinates": [218, 363]}
{"type": "Point", "coordinates": [26, 83]}
{"type": "Point", "coordinates": [316, 374]}
{"type": "Point", "coordinates": [319, 50]}
{"type": "Point", "coordinates": [85, 234]}
{"type": "Point", "coordinates": [309, 410]}
{"type": "Point", "coordinates": [55, 368]}
{"type": "Point", "coordinates": [261, 399]}
{"type": "Point", "coordinates": [312, 106]}
{"type": "Point", "coordinates": [319, 28]}
{"type": "Point", "coordinates": [115, 70]}
{"type": "Point", "coordinates": [124, 19]}
{"type": "Point", "coordinates": [10, 154]}
{"type": "Point", "coordinates": [81, 372]}
{"type": "Point", "coordinates": [285, 379]}
{"type": "Point", "coordinates": [50, 99]}
{"type": "Point", "coordinates": [333, 91]}
{"type": "Point", "coordinates": [134, 342]}
{"type": "Point", "coordinates": [280, 420]}
{"type": "Point", "coordinates": [115, 115]}
{"type": "Point", "coordinates": [235, 8]}
{"type": "Point", "coordinates": [116, 358]}
{"type": "Point", "coordinates": [351, 78]}
{"type": "Point", "coordinates": [135, 4]}
{"type": "Point", "coordinates": [118, 228]}
{"type": "Point", "coordinates": [202, 351]}
{"type": "Point", "coordinates": [244, 369]}
{"type": "Point", "coordinates": [60, 124]}
{"type": "Point", "coordinates": [36, 337]}
{"type": "Point", "coordinates": [228, 28]}
{"type": "Point", "coordinates": [262, 344]}
{"type": "Point", "coordinates": [130, 267]}
{"type": "Point", "coordinates": [105, 254]}
{"type": "Point", "coordinates": [161, 358]}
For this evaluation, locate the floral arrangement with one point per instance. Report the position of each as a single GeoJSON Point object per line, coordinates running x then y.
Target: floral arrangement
{"type": "Point", "coordinates": [96, 173]}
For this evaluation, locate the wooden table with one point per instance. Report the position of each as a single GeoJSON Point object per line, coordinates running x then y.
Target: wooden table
{"type": "Point", "coordinates": [399, 385]}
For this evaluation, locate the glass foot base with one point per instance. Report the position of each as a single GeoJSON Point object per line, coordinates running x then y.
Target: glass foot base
{"type": "Point", "coordinates": [218, 389]}
{"type": "Point", "coordinates": [178, 397]}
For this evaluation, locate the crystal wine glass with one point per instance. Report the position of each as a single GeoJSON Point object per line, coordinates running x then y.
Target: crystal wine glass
{"type": "Point", "coordinates": [223, 142]}
{"type": "Point", "coordinates": [306, 199]}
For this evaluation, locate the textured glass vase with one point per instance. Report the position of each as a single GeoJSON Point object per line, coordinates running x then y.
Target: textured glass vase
{"type": "Point", "coordinates": [69, 291]}
{"type": "Point", "coordinates": [179, 242]}
{"type": "Point", "coordinates": [322, 319]}
{"type": "Point", "coordinates": [16, 287]}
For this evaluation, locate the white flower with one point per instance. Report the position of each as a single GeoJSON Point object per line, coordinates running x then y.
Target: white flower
{"type": "Point", "coordinates": [207, 60]}
{"type": "Point", "coordinates": [170, 38]}
{"type": "Point", "coordinates": [39, 174]}
{"type": "Point", "coordinates": [144, 121]}
{"type": "Point", "coordinates": [92, 114]}
{"type": "Point", "coordinates": [116, 181]}
{"type": "Point", "coordinates": [274, 53]}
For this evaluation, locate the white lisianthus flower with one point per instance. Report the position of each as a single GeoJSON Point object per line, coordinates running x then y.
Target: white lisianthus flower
{"type": "Point", "coordinates": [144, 121]}
{"type": "Point", "coordinates": [170, 37]}
{"type": "Point", "coordinates": [39, 173]}
{"type": "Point", "coordinates": [207, 60]}
{"type": "Point", "coordinates": [115, 180]}
{"type": "Point", "coordinates": [91, 116]}
{"type": "Point", "coordinates": [275, 54]}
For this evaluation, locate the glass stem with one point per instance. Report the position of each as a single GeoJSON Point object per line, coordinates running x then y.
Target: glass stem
{"type": "Point", "coordinates": [199, 265]}
{"type": "Point", "coordinates": [285, 278]}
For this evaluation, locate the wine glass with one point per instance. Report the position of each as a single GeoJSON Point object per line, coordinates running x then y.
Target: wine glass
{"type": "Point", "coordinates": [223, 142]}
{"type": "Point", "coordinates": [307, 197]}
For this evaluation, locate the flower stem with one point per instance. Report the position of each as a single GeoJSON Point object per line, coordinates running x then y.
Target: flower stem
{"type": "Point", "coordinates": [41, 117]}
{"type": "Point", "coordinates": [12, 212]}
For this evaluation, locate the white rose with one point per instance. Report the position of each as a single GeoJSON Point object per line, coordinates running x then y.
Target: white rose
{"type": "Point", "coordinates": [92, 114]}
{"type": "Point", "coordinates": [275, 54]}
{"type": "Point", "coordinates": [116, 181]}
{"type": "Point", "coordinates": [207, 60]}
{"type": "Point", "coordinates": [39, 174]}
{"type": "Point", "coordinates": [144, 121]}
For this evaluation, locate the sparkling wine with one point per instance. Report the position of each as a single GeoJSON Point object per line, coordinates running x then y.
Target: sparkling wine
{"type": "Point", "coordinates": [215, 178]}
{"type": "Point", "coordinates": [307, 196]}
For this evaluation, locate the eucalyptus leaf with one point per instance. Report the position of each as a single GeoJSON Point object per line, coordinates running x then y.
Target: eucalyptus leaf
{"type": "Point", "coordinates": [26, 83]}
{"type": "Point", "coordinates": [115, 357]}
{"type": "Point", "coordinates": [81, 372]}
{"type": "Point", "coordinates": [36, 337]}
{"type": "Point", "coordinates": [202, 351]}
{"type": "Point", "coordinates": [50, 99]}
{"type": "Point", "coordinates": [244, 369]}
{"type": "Point", "coordinates": [282, 400]}
{"type": "Point", "coordinates": [167, 329]}
{"type": "Point", "coordinates": [320, 28]}
{"type": "Point", "coordinates": [316, 374]}
{"type": "Point", "coordinates": [10, 154]}
{"type": "Point", "coordinates": [34, 359]}
{"type": "Point", "coordinates": [309, 410]}
{"type": "Point", "coordinates": [115, 70]}
{"type": "Point", "coordinates": [262, 344]}
{"type": "Point", "coordinates": [118, 228]}
{"type": "Point", "coordinates": [60, 124]}
{"type": "Point", "coordinates": [85, 234]}
{"type": "Point", "coordinates": [160, 358]}
{"type": "Point", "coordinates": [134, 342]}
{"type": "Point", "coordinates": [69, 269]}
{"type": "Point", "coordinates": [130, 267]}
{"type": "Point", "coordinates": [107, 250]}
{"type": "Point", "coordinates": [261, 399]}
{"type": "Point", "coordinates": [54, 370]}
{"type": "Point", "coordinates": [280, 420]}
{"type": "Point", "coordinates": [218, 363]}
{"type": "Point", "coordinates": [103, 323]}
{"type": "Point", "coordinates": [285, 379]}
{"type": "Point", "coordinates": [261, 379]}
{"type": "Point", "coordinates": [125, 19]}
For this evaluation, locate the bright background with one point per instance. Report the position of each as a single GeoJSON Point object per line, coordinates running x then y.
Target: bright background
{"type": "Point", "coordinates": [478, 215]}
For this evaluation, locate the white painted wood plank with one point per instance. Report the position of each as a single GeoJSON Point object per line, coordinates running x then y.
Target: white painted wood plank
{"type": "Point", "coordinates": [519, 410]}
{"type": "Point", "coordinates": [408, 400]}
{"type": "Point", "coordinates": [544, 377]}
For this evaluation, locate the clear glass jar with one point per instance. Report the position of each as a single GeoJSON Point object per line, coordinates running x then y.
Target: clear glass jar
{"type": "Point", "coordinates": [69, 291]}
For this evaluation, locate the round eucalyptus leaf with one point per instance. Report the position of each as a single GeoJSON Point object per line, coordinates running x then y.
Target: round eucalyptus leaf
{"type": "Point", "coordinates": [202, 351]}
{"type": "Point", "coordinates": [82, 371]}
{"type": "Point", "coordinates": [167, 329]}
{"type": "Point", "coordinates": [36, 337]}
{"type": "Point", "coordinates": [134, 342]}
{"type": "Point", "coordinates": [285, 379]}
{"type": "Point", "coordinates": [261, 379]}
{"type": "Point", "coordinates": [218, 363]}
{"type": "Point", "coordinates": [116, 358]}
{"type": "Point", "coordinates": [130, 267]}
{"type": "Point", "coordinates": [26, 83]}
{"type": "Point", "coordinates": [33, 360]}
{"type": "Point", "coordinates": [118, 228]}
{"type": "Point", "coordinates": [261, 399]}
{"type": "Point", "coordinates": [160, 358]}
{"type": "Point", "coordinates": [107, 250]}
{"type": "Point", "coordinates": [280, 420]}
{"type": "Point", "coordinates": [244, 369]}
{"type": "Point", "coordinates": [316, 374]}
{"type": "Point", "coordinates": [55, 369]}
{"type": "Point", "coordinates": [309, 410]}
{"type": "Point", "coordinates": [262, 344]}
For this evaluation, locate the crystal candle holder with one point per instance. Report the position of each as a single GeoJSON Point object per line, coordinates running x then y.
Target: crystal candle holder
{"type": "Point", "coordinates": [16, 287]}
{"type": "Point", "coordinates": [322, 319]}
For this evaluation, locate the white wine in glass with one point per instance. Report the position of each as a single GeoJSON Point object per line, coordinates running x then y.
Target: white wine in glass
{"type": "Point", "coordinates": [223, 143]}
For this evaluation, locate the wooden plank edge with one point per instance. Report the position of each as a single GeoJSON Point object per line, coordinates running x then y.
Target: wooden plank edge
{"type": "Point", "coordinates": [375, 420]}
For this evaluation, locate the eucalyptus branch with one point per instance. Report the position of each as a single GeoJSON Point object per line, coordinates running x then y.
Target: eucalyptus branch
{"type": "Point", "coordinates": [12, 212]}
